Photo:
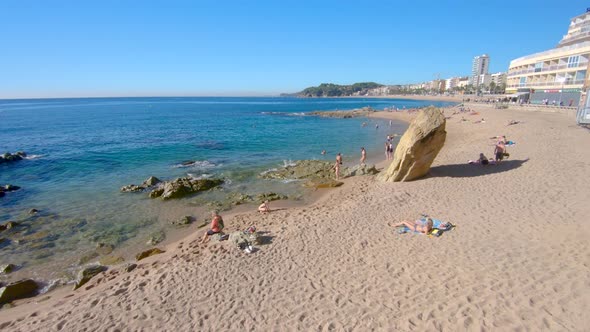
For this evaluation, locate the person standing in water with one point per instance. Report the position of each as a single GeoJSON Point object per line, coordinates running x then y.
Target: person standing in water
{"type": "Point", "coordinates": [363, 155]}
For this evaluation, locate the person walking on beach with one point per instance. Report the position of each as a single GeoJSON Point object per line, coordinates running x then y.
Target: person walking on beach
{"type": "Point", "coordinates": [363, 155]}
{"type": "Point", "coordinates": [336, 168]}
{"type": "Point", "coordinates": [216, 226]}
{"type": "Point", "coordinates": [387, 156]}
{"type": "Point", "coordinates": [500, 150]}
{"type": "Point", "coordinates": [339, 158]}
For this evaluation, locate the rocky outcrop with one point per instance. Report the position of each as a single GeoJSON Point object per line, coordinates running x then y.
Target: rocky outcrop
{"type": "Point", "coordinates": [7, 188]}
{"type": "Point", "coordinates": [418, 147]}
{"type": "Point", "coordinates": [270, 197]}
{"type": "Point", "coordinates": [129, 267]}
{"type": "Point", "coordinates": [186, 220]}
{"type": "Point", "coordinates": [242, 239]}
{"type": "Point", "coordinates": [9, 157]}
{"type": "Point", "coordinates": [7, 268]}
{"type": "Point", "coordinates": [185, 186]}
{"type": "Point", "coordinates": [8, 225]}
{"type": "Point", "coordinates": [148, 183]}
{"type": "Point", "coordinates": [362, 169]}
{"type": "Point", "coordinates": [111, 260]}
{"type": "Point", "coordinates": [88, 273]}
{"type": "Point", "coordinates": [360, 112]}
{"type": "Point", "coordinates": [156, 238]}
{"type": "Point", "coordinates": [104, 248]}
{"type": "Point", "coordinates": [303, 169]}
{"type": "Point", "coordinates": [173, 189]}
{"type": "Point", "coordinates": [318, 183]}
{"type": "Point", "coordinates": [18, 290]}
{"type": "Point", "coordinates": [148, 253]}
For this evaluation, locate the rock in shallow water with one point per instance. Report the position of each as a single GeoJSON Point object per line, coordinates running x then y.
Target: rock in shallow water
{"type": "Point", "coordinates": [18, 290]}
{"type": "Point", "coordinates": [7, 268]}
{"type": "Point", "coordinates": [111, 260]}
{"type": "Point", "coordinates": [270, 197]}
{"type": "Point", "coordinates": [156, 238]}
{"type": "Point", "coordinates": [184, 186]}
{"type": "Point", "coordinates": [183, 221]}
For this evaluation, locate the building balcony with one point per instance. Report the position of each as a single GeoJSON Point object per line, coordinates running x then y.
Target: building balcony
{"type": "Point", "coordinates": [555, 85]}
{"type": "Point", "coordinates": [574, 38]}
{"type": "Point", "coordinates": [548, 69]}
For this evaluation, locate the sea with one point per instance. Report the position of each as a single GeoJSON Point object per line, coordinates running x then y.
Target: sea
{"type": "Point", "coordinates": [80, 152]}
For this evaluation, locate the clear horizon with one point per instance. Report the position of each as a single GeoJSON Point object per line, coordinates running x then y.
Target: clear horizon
{"type": "Point", "coordinates": [157, 49]}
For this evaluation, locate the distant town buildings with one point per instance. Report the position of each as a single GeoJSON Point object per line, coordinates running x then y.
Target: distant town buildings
{"type": "Point", "coordinates": [557, 75]}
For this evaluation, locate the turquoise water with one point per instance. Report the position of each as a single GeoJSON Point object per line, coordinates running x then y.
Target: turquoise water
{"type": "Point", "coordinates": [83, 150]}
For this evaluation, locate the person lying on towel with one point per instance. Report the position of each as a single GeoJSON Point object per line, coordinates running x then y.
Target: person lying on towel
{"type": "Point", "coordinates": [420, 225]}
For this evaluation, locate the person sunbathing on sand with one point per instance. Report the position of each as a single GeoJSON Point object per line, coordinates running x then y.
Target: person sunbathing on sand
{"type": "Point", "coordinates": [264, 207]}
{"type": "Point", "coordinates": [513, 122]}
{"type": "Point", "coordinates": [216, 226]}
{"type": "Point", "coordinates": [420, 225]}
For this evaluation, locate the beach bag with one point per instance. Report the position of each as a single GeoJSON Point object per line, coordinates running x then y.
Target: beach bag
{"type": "Point", "coordinates": [506, 155]}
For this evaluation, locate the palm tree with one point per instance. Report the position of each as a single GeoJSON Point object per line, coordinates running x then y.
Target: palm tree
{"type": "Point", "coordinates": [493, 87]}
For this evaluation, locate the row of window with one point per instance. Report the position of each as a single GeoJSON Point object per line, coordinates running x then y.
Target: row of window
{"type": "Point", "coordinates": [568, 78]}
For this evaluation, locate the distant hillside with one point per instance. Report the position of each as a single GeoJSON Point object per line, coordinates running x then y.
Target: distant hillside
{"type": "Point", "coordinates": [335, 90]}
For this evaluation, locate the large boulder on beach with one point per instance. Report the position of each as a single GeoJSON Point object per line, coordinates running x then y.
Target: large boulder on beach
{"type": "Point", "coordinates": [18, 290]}
{"type": "Point", "coordinates": [242, 239]}
{"type": "Point", "coordinates": [418, 147]}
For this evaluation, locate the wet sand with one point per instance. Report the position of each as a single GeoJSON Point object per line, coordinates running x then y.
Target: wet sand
{"type": "Point", "coordinates": [519, 258]}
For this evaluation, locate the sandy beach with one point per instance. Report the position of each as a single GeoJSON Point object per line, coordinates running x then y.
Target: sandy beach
{"type": "Point", "coordinates": [519, 258]}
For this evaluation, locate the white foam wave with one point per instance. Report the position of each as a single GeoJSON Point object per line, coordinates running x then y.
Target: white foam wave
{"type": "Point", "coordinates": [287, 163]}
{"type": "Point", "coordinates": [33, 156]}
{"type": "Point", "coordinates": [284, 113]}
{"type": "Point", "coordinates": [199, 177]}
{"type": "Point", "coordinates": [268, 171]}
{"type": "Point", "coordinates": [196, 164]}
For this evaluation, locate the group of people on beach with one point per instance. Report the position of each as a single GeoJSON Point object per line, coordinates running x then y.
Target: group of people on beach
{"type": "Point", "coordinates": [500, 152]}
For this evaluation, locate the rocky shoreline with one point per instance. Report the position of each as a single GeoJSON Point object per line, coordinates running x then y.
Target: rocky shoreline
{"type": "Point", "coordinates": [355, 113]}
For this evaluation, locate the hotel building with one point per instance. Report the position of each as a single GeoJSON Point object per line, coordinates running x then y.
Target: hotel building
{"type": "Point", "coordinates": [479, 67]}
{"type": "Point", "coordinates": [557, 74]}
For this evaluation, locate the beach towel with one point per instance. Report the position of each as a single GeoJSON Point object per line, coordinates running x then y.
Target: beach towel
{"type": "Point", "coordinates": [438, 228]}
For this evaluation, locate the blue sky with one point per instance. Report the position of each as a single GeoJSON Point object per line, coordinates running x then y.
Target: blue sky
{"type": "Point", "coordinates": [159, 48]}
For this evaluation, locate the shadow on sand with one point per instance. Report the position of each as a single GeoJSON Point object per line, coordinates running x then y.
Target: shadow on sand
{"type": "Point", "coordinates": [468, 171]}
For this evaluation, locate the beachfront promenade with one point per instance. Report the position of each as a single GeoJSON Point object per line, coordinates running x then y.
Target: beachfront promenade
{"type": "Point", "coordinates": [517, 260]}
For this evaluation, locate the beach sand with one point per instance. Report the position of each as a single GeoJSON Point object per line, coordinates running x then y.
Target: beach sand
{"type": "Point", "coordinates": [518, 259]}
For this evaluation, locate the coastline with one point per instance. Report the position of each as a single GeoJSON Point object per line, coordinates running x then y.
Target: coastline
{"type": "Point", "coordinates": [340, 257]}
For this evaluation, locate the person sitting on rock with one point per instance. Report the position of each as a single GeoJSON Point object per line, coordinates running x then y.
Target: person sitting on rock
{"type": "Point", "coordinates": [216, 226]}
{"type": "Point", "coordinates": [264, 207]}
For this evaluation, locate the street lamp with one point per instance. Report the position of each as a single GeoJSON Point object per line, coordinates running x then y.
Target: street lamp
{"type": "Point", "coordinates": [562, 81]}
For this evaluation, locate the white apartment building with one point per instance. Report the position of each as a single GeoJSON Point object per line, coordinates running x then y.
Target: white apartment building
{"type": "Point", "coordinates": [479, 67]}
{"type": "Point", "coordinates": [557, 74]}
{"type": "Point", "coordinates": [498, 78]}
{"type": "Point", "coordinates": [463, 82]}
{"type": "Point", "coordinates": [451, 83]}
